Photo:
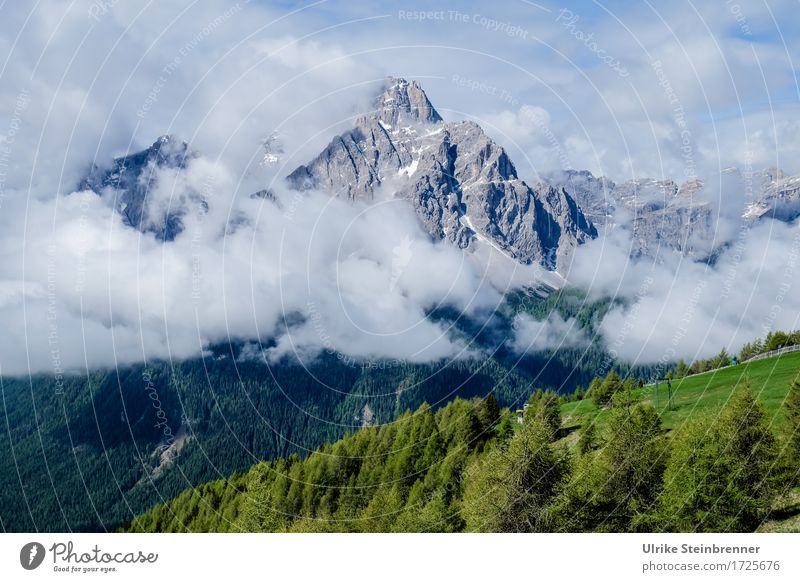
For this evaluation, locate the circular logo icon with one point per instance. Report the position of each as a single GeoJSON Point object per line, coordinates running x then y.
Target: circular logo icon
{"type": "Point", "coordinates": [31, 555]}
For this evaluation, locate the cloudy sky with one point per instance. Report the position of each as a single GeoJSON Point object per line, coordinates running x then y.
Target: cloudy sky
{"type": "Point", "coordinates": [663, 89]}
{"type": "Point", "coordinates": [608, 80]}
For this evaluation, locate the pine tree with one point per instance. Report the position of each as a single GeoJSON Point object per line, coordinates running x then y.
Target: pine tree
{"type": "Point", "coordinates": [788, 464]}
{"type": "Point", "coordinates": [513, 489]}
{"type": "Point", "coordinates": [594, 390]}
{"type": "Point", "coordinates": [792, 407]}
{"type": "Point", "coordinates": [545, 407]}
{"type": "Point", "coordinates": [505, 428]}
{"type": "Point", "coordinates": [616, 488]}
{"type": "Point", "coordinates": [720, 477]}
{"type": "Point", "coordinates": [490, 412]}
{"type": "Point", "coordinates": [587, 437]}
{"type": "Point", "coordinates": [624, 396]}
{"type": "Point", "coordinates": [775, 340]}
{"type": "Point", "coordinates": [603, 391]}
{"type": "Point", "coordinates": [721, 360]}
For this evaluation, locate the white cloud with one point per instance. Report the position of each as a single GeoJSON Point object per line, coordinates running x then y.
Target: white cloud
{"type": "Point", "coordinates": [683, 309]}
{"type": "Point", "coordinates": [531, 335]}
{"type": "Point", "coordinates": [225, 76]}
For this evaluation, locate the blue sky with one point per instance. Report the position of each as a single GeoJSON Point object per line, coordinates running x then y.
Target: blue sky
{"type": "Point", "coordinates": [619, 88]}
{"type": "Point", "coordinates": [730, 66]}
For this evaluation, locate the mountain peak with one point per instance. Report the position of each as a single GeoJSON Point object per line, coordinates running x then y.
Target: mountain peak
{"type": "Point", "coordinates": [404, 101]}
{"type": "Point", "coordinates": [131, 179]}
{"type": "Point", "coordinates": [462, 185]}
{"type": "Point", "coordinates": [168, 149]}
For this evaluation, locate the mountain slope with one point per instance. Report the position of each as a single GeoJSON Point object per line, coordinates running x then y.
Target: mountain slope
{"type": "Point", "coordinates": [412, 475]}
{"type": "Point", "coordinates": [463, 186]}
{"type": "Point", "coordinates": [89, 453]}
{"type": "Point", "coordinates": [115, 443]}
{"type": "Point", "coordinates": [133, 184]}
{"type": "Point", "coordinates": [695, 394]}
{"type": "Point", "coordinates": [665, 217]}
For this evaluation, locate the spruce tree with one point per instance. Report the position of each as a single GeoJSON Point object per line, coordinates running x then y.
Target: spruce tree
{"type": "Point", "coordinates": [545, 407]}
{"type": "Point", "coordinates": [490, 412]}
{"type": "Point", "coordinates": [587, 437]}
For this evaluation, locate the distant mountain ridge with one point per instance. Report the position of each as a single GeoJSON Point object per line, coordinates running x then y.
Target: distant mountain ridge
{"type": "Point", "coordinates": [466, 190]}
{"type": "Point", "coordinates": [667, 217]}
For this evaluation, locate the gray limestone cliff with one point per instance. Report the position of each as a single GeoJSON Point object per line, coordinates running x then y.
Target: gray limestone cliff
{"type": "Point", "coordinates": [463, 185]}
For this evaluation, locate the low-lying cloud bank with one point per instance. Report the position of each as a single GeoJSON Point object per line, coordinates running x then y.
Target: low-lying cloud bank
{"type": "Point", "coordinates": [302, 272]}
{"type": "Point", "coordinates": [684, 309]}
{"type": "Point", "coordinates": [551, 333]}
{"type": "Point", "coordinates": [306, 272]}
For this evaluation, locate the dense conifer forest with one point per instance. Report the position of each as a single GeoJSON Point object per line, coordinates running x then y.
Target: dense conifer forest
{"type": "Point", "coordinates": [472, 466]}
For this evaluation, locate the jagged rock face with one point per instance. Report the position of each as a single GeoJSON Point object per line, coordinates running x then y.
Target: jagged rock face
{"type": "Point", "coordinates": [668, 218]}
{"type": "Point", "coordinates": [663, 217]}
{"type": "Point", "coordinates": [351, 164]}
{"type": "Point", "coordinates": [462, 185]}
{"type": "Point", "coordinates": [778, 196]}
{"type": "Point", "coordinates": [687, 229]}
{"type": "Point", "coordinates": [593, 195]}
{"type": "Point", "coordinates": [131, 180]}
{"type": "Point", "coordinates": [404, 101]}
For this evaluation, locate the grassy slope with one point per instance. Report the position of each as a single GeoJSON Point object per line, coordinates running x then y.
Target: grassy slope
{"type": "Point", "coordinates": [693, 395]}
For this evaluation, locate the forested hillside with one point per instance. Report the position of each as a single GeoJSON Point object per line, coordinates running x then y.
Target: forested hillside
{"type": "Point", "coordinates": [92, 453]}
{"type": "Point", "coordinates": [89, 453]}
{"type": "Point", "coordinates": [470, 466]}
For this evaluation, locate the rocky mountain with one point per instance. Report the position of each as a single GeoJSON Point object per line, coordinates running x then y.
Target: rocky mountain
{"type": "Point", "coordinates": [462, 185]}
{"type": "Point", "coordinates": [778, 196]}
{"type": "Point", "coordinates": [466, 190]}
{"type": "Point", "coordinates": [132, 183]}
{"type": "Point", "coordinates": [666, 217]}
{"type": "Point", "coordinates": [663, 217]}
